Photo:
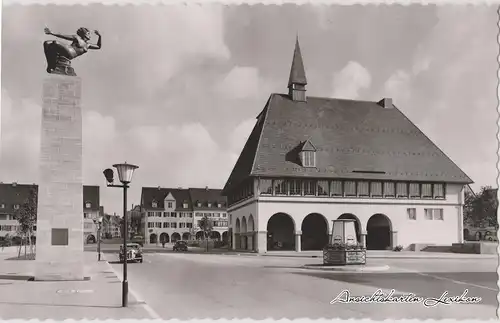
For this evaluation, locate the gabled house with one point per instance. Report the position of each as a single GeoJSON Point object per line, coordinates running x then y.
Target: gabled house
{"type": "Point", "coordinates": [311, 160]}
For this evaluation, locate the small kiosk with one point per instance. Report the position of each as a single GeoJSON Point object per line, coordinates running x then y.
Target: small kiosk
{"type": "Point", "coordinates": [344, 247]}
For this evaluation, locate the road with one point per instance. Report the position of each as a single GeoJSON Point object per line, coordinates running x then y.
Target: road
{"type": "Point", "coordinates": [187, 286]}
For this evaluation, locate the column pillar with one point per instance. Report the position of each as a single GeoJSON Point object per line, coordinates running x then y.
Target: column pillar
{"type": "Point", "coordinates": [363, 239]}
{"type": "Point", "coordinates": [261, 241]}
{"type": "Point", "coordinates": [233, 241]}
{"type": "Point", "coordinates": [394, 239]}
{"type": "Point", "coordinates": [298, 247]}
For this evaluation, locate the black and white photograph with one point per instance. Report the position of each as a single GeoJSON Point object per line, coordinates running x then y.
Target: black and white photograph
{"type": "Point", "coordinates": [249, 161]}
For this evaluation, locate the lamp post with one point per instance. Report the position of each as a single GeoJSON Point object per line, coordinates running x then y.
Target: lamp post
{"type": "Point", "coordinates": [125, 172]}
{"type": "Point", "coordinates": [98, 222]}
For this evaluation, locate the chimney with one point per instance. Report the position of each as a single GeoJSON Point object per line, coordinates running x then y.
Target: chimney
{"type": "Point", "coordinates": [206, 188]}
{"type": "Point", "coordinates": [386, 103]}
{"type": "Point", "coordinates": [14, 184]}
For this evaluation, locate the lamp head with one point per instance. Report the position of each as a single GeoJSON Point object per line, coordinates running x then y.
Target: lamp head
{"type": "Point", "coordinates": [109, 174]}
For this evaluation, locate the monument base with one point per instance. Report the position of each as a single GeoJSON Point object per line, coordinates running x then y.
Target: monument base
{"type": "Point", "coordinates": [59, 249]}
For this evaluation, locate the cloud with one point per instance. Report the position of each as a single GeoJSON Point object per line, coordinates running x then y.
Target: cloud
{"type": "Point", "coordinates": [350, 81]}
{"type": "Point", "coordinates": [240, 135]}
{"type": "Point", "coordinates": [240, 83]}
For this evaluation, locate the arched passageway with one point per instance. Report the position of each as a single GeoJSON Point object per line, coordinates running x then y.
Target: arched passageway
{"type": "Point", "coordinates": [357, 224]}
{"type": "Point", "coordinates": [280, 232]}
{"type": "Point", "coordinates": [176, 236]}
{"type": "Point", "coordinates": [314, 232]}
{"type": "Point", "coordinates": [164, 238]}
{"type": "Point", "coordinates": [185, 236]}
{"type": "Point", "coordinates": [91, 238]}
{"type": "Point", "coordinates": [153, 238]}
{"type": "Point", "coordinates": [250, 224]}
{"type": "Point", "coordinates": [215, 235]}
{"type": "Point", "coordinates": [378, 233]}
{"type": "Point", "coordinates": [200, 235]}
{"type": "Point", "coordinates": [224, 237]}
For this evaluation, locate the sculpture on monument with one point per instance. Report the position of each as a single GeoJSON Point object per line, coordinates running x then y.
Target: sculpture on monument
{"type": "Point", "coordinates": [59, 55]}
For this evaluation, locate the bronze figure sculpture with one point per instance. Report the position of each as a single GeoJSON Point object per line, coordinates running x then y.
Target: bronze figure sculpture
{"type": "Point", "coordinates": [59, 55]}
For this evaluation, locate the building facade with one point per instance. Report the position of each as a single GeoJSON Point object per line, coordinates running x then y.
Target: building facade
{"type": "Point", "coordinates": [13, 195]}
{"type": "Point", "coordinates": [311, 160]}
{"type": "Point", "coordinates": [173, 214]}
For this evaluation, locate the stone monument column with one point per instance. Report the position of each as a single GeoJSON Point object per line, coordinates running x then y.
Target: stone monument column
{"type": "Point", "coordinates": [59, 250]}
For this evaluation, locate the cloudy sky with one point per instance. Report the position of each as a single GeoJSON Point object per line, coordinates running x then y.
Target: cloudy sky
{"type": "Point", "coordinates": [176, 89]}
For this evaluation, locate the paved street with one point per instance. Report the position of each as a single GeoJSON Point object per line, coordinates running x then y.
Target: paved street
{"type": "Point", "coordinates": [192, 285]}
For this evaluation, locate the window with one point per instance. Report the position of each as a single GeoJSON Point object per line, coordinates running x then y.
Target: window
{"type": "Point", "coordinates": [165, 224]}
{"type": "Point", "coordinates": [363, 189]}
{"type": "Point", "coordinates": [190, 214]}
{"type": "Point", "coordinates": [427, 190]}
{"type": "Point", "coordinates": [150, 224]}
{"type": "Point", "coordinates": [150, 214]}
{"type": "Point", "coordinates": [224, 215]}
{"type": "Point", "coordinates": [295, 188]}
{"type": "Point", "coordinates": [280, 187]}
{"type": "Point", "coordinates": [199, 204]}
{"type": "Point", "coordinates": [219, 205]}
{"type": "Point", "coordinates": [165, 214]}
{"type": "Point", "coordinates": [154, 204]}
{"type": "Point", "coordinates": [173, 225]}
{"type": "Point", "coordinates": [266, 186]}
{"type": "Point", "coordinates": [401, 190]}
{"type": "Point", "coordinates": [2, 206]}
{"type": "Point", "coordinates": [308, 158]}
{"type": "Point", "coordinates": [158, 224]}
{"type": "Point", "coordinates": [434, 214]}
{"type": "Point", "coordinates": [310, 188]}
{"type": "Point", "coordinates": [376, 189]}
{"type": "Point", "coordinates": [158, 214]}
{"type": "Point", "coordinates": [185, 205]}
{"type": "Point", "coordinates": [169, 205]}
{"type": "Point", "coordinates": [182, 225]}
{"type": "Point", "coordinates": [173, 214]}
{"type": "Point", "coordinates": [439, 191]}
{"type": "Point", "coordinates": [88, 205]}
{"type": "Point", "coordinates": [337, 188]}
{"type": "Point", "coordinates": [414, 190]}
{"type": "Point", "coordinates": [350, 188]}
{"type": "Point", "coordinates": [322, 188]}
{"type": "Point", "coordinates": [16, 206]}
{"type": "Point", "coordinates": [189, 225]}
{"type": "Point", "coordinates": [389, 189]}
{"type": "Point", "coordinates": [412, 213]}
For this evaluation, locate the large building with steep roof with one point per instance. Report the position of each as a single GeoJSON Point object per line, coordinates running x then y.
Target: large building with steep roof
{"type": "Point", "coordinates": [13, 195]}
{"type": "Point", "coordinates": [311, 160]}
{"type": "Point", "coordinates": [173, 214]}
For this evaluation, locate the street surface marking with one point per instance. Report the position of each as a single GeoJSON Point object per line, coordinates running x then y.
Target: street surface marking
{"type": "Point", "coordinates": [139, 299]}
{"type": "Point", "coordinates": [447, 279]}
{"type": "Point", "coordinates": [74, 291]}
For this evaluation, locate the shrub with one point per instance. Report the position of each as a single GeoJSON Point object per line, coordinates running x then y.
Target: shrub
{"type": "Point", "coordinates": [398, 248]}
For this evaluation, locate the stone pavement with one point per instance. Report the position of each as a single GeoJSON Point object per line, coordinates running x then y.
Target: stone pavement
{"type": "Point", "coordinates": [98, 298]}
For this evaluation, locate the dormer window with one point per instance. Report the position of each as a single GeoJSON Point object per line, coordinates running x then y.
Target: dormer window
{"type": "Point", "coordinates": [2, 206]}
{"type": "Point", "coordinates": [308, 154]}
{"type": "Point", "coordinates": [209, 204]}
{"type": "Point", "coordinates": [219, 205]}
{"type": "Point", "coordinates": [16, 206]}
{"type": "Point", "coordinates": [154, 204]}
{"type": "Point", "coordinates": [185, 205]}
{"type": "Point", "coordinates": [88, 205]}
{"type": "Point", "coordinates": [198, 203]}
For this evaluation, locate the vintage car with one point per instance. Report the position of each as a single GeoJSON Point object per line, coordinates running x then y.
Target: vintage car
{"type": "Point", "coordinates": [180, 245]}
{"type": "Point", "coordinates": [134, 253]}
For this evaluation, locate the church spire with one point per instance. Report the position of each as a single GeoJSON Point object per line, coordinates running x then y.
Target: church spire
{"type": "Point", "coordinates": [297, 80]}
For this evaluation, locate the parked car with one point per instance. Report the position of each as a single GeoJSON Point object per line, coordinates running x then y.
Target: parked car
{"type": "Point", "coordinates": [180, 245]}
{"type": "Point", "coordinates": [134, 253]}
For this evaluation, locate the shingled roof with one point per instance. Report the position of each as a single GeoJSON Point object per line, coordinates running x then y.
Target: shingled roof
{"type": "Point", "coordinates": [14, 193]}
{"type": "Point", "coordinates": [189, 195]}
{"type": "Point", "coordinates": [353, 140]}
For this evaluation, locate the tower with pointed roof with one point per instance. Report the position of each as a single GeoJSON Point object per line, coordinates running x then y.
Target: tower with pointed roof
{"type": "Point", "coordinates": [297, 81]}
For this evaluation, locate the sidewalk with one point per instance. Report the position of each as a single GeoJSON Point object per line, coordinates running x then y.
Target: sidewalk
{"type": "Point", "coordinates": [98, 298]}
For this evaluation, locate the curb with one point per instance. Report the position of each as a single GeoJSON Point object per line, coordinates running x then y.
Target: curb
{"type": "Point", "coordinates": [139, 299]}
{"type": "Point", "coordinates": [348, 268]}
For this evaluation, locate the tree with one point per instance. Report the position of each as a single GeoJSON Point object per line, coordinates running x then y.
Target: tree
{"type": "Point", "coordinates": [206, 225]}
{"type": "Point", "coordinates": [26, 216]}
{"type": "Point", "coordinates": [481, 208]}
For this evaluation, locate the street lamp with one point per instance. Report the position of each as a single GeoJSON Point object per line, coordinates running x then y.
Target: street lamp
{"type": "Point", "coordinates": [125, 172]}
{"type": "Point", "coordinates": [98, 222]}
